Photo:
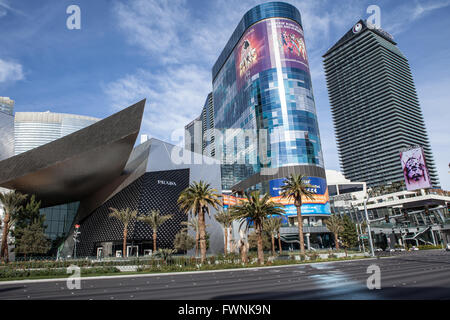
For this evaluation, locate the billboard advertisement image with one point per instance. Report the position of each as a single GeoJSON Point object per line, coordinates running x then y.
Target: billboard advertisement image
{"type": "Point", "coordinates": [252, 53]}
{"type": "Point", "coordinates": [318, 205]}
{"type": "Point", "coordinates": [292, 44]}
{"type": "Point", "coordinates": [414, 169]}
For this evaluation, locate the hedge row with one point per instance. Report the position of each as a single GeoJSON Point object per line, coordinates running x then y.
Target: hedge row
{"type": "Point", "coordinates": [11, 273]}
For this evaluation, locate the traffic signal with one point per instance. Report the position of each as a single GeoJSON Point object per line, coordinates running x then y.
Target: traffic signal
{"type": "Point", "coordinates": [386, 218]}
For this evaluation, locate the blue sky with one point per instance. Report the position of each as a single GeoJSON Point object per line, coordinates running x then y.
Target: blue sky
{"type": "Point", "coordinates": [163, 50]}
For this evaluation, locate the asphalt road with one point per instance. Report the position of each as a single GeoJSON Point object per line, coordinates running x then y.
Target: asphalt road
{"type": "Point", "coordinates": [418, 275]}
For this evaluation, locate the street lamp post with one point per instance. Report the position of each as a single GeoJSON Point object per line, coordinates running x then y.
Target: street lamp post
{"type": "Point", "coordinates": [359, 236]}
{"type": "Point", "coordinates": [368, 227]}
{"type": "Point", "coordinates": [362, 240]}
{"type": "Point", "coordinates": [76, 233]}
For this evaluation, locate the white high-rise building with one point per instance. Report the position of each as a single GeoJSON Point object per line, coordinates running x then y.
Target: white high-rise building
{"type": "Point", "coordinates": [33, 129]}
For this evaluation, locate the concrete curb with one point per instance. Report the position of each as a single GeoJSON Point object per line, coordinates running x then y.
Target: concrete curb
{"type": "Point", "coordinates": [177, 273]}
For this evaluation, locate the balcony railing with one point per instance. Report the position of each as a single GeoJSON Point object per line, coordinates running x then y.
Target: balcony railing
{"type": "Point", "coordinates": [306, 229]}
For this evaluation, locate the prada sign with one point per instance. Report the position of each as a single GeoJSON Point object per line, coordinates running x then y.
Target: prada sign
{"type": "Point", "coordinates": [167, 183]}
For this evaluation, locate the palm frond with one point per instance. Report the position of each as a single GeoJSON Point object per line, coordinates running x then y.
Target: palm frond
{"type": "Point", "coordinates": [123, 215]}
{"type": "Point", "coordinates": [295, 188]}
{"type": "Point", "coordinates": [154, 219]}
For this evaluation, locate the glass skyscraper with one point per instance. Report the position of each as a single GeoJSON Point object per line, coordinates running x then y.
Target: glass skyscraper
{"type": "Point", "coordinates": [265, 122]}
{"type": "Point", "coordinates": [375, 107]}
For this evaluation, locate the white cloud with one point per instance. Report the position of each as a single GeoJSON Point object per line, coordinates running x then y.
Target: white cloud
{"type": "Point", "coordinates": [10, 71]}
{"type": "Point", "coordinates": [174, 97]}
{"type": "Point", "coordinates": [400, 19]}
{"type": "Point", "coordinates": [422, 9]}
{"type": "Point", "coordinates": [154, 25]}
{"type": "Point", "coordinates": [170, 31]}
{"type": "Point", "coordinates": [4, 7]}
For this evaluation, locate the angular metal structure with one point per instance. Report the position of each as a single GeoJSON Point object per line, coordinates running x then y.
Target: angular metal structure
{"type": "Point", "coordinates": [73, 167]}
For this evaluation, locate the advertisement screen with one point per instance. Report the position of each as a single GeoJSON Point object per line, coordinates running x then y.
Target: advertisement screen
{"type": "Point", "coordinates": [255, 51]}
{"type": "Point", "coordinates": [414, 169]}
{"type": "Point", "coordinates": [252, 53]}
{"type": "Point", "coordinates": [318, 205]}
{"type": "Point", "coordinates": [291, 44]}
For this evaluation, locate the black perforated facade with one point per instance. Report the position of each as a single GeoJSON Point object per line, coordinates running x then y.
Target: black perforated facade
{"type": "Point", "coordinates": [152, 191]}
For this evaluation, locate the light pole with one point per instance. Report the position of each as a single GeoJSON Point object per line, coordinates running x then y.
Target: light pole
{"type": "Point", "coordinates": [358, 228]}
{"type": "Point", "coordinates": [362, 240]}
{"type": "Point", "coordinates": [359, 236]}
{"type": "Point", "coordinates": [368, 226]}
{"type": "Point", "coordinates": [76, 233]}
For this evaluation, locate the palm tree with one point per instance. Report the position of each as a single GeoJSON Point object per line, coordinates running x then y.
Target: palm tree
{"type": "Point", "coordinates": [226, 220]}
{"type": "Point", "coordinates": [11, 202]}
{"type": "Point", "coordinates": [125, 216]}
{"type": "Point", "coordinates": [272, 226]}
{"type": "Point", "coordinates": [197, 199]}
{"type": "Point", "coordinates": [193, 223]}
{"type": "Point", "coordinates": [256, 210]}
{"type": "Point", "coordinates": [165, 254]}
{"type": "Point", "coordinates": [154, 219]}
{"type": "Point", "coordinates": [334, 224]}
{"type": "Point", "coordinates": [295, 188]}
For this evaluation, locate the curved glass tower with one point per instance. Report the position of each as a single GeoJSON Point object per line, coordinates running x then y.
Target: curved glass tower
{"type": "Point", "coordinates": [33, 129]}
{"type": "Point", "coordinates": [264, 112]}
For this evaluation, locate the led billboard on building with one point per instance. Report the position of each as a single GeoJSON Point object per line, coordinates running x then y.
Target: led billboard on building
{"type": "Point", "coordinates": [292, 44]}
{"type": "Point", "coordinates": [318, 205]}
{"type": "Point", "coordinates": [414, 169]}
{"type": "Point", "coordinates": [254, 52]}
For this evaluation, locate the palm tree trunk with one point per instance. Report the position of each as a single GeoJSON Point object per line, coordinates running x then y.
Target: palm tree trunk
{"type": "Point", "coordinates": [279, 242]}
{"type": "Point", "coordinates": [260, 244]}
{"type": "Point", "coordinates": [243, 253]}
{"type": "Point", "coordinates": [4, 250]}
{"type": "Point", "coordinates": [154, 240]}
{"type": "Point", "coordinates": [196, 243]}
{"type": "Point", "coordinates": [201, 226]}
{"type": "Point", "coordinates": [226, 241]}
{"type": "Point", "coordinates": [300, 229]}
{"type": "Point", "coordinates": [273, 244]}
{"type": "Point", "coordinates": [336, 241]}
{"type": "Point", "coordinates": [124, 246]}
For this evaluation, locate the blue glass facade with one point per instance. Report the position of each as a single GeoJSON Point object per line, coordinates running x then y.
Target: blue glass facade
{"type": "Point", "coordinates": [264, 86]}
{"type": "Point", "coordinates": [59, 219]}
{"type": "Point", "coordinates": [258, 13]}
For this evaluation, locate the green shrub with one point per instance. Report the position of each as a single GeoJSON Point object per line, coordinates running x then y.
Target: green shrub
{"type": "Point", "coordinates": [429, 247]}
{"type": "Point", "coordinates": [313, 256]}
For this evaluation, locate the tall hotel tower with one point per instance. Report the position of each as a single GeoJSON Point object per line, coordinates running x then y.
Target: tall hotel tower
{"type": "Point", "coordinates": [6, 128]}
{"type": "Point", "coordinates": [264, 112]}
{"type": "Point", "coordinates": [375, 107]}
